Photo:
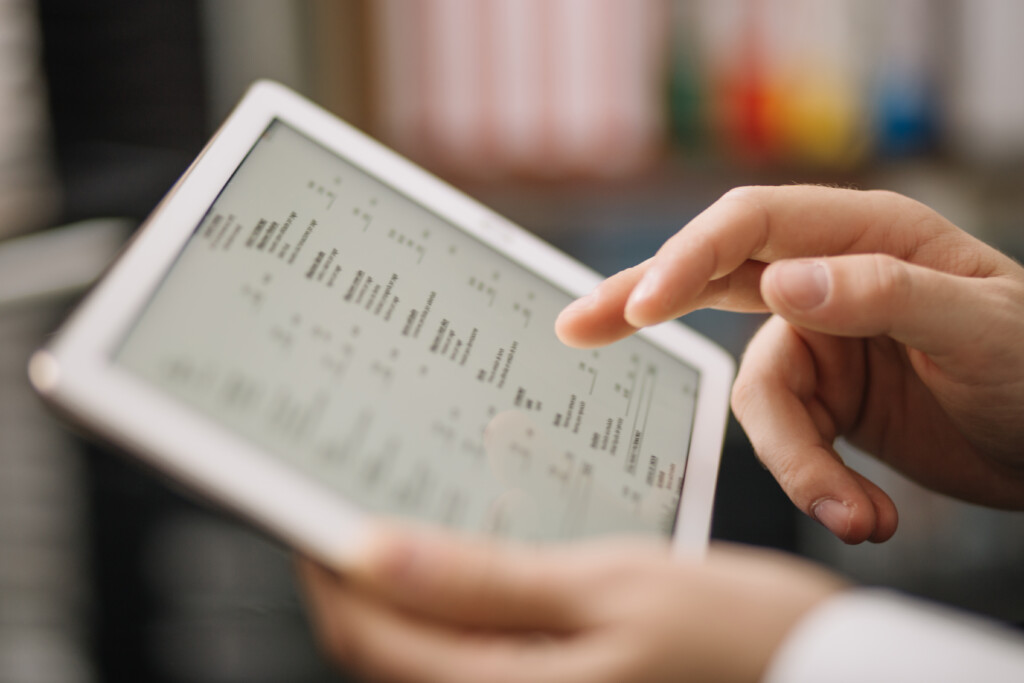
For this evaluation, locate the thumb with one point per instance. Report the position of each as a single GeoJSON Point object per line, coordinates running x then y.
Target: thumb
{"type": "Point", "coordinates": [868, 295]}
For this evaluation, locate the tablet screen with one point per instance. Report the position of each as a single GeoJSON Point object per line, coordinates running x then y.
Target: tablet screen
{"type": "Point", "coordinates": [347, 330]}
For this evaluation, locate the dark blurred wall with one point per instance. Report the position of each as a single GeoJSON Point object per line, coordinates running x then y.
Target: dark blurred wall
{"type": "Point", "coordinates": [126, 97]}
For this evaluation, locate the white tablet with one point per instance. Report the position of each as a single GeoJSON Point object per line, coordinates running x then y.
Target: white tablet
{"type": "Point", "coordinates": [316, 333]}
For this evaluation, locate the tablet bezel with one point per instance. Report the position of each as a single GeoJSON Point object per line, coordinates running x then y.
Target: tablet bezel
{"type": "Point", "coordinates": [76, 373]}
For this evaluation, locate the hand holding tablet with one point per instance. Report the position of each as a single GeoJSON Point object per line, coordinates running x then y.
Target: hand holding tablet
{"type": "Point", "coordinates": [316, 333]}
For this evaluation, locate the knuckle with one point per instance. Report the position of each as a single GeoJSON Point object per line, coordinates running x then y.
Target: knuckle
{"type": "Point", "coordinates": [1007, 293]}
{"type": "Point", "coordinates": [754, 373]}
{"type": "Point", "coordinates": [792, 477]}
{"type": "Point", "coordinates": [802, 475]}
{"type": "Point", "coordinates": [744, 194]}
{"type": "Point", "coordinates": [748, 201]}
{"type": "Point", "coordinates": [892, 278]}
{"type": "Point", "coordinates": [890, 196]}
{"type": "Point", "coordinates": [743, 394]}
{"type": "Point", "coordinates": [907, 207]}
{"type": "Point", "coordinates": [914, 216]}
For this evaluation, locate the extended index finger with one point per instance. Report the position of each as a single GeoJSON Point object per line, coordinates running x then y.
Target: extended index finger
{"type": "Point", "coordinates": [718, 258]}
{"type": "Point", "coordinates": [766, 224]}
{"type": "Point", "coordinates": [599, 318]}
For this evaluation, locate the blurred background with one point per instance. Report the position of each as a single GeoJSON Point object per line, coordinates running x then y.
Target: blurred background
{"type": "Point", "coordinates": [601, 125]}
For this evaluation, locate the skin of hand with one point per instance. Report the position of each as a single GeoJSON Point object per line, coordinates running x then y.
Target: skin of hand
{"type": "Point", "coordinates": [430, 607]}
{"type": "Point", "coordinates": [892, 327]}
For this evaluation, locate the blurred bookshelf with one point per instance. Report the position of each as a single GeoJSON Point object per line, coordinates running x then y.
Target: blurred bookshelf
{"type": "Point", "coordinates": [546, 110]}
{"type": "Point", "coordinates": [552, 111]}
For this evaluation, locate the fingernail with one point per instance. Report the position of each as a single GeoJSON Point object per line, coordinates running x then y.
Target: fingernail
{"type": "Point", "coordinates": [803, 284]}
{"type": "Point", "coordinates": [833, 515]}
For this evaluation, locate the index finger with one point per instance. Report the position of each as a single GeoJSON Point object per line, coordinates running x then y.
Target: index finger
{"type": "Point", "coordinates": [717, 259]}
{"type": "Point", "coordinates": [767, 224]}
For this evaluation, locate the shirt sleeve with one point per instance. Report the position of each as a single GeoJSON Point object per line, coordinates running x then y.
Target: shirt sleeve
{"type": "Point", "coordinates": [882, 636]}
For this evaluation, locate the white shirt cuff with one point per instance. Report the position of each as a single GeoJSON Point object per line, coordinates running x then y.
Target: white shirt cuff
{"type": "Point", "coordinates": [882, 636]}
